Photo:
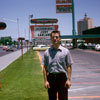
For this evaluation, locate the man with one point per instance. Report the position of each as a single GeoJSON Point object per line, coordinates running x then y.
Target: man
{"type": "Point", "coordinates": [57, 69]}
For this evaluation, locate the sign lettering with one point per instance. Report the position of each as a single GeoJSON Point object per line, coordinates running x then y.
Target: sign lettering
{"type": "Point", "coordinates": [63, 1]}
{"type": "Point", "coordinates": [63, 8]}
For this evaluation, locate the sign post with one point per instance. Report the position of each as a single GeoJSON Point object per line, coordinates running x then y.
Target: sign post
{"type": "Point", "coordinates": [67, 6]}
{"type": "Point", "coordinates": [73, 22]}
{"type": "Point", "coordinates": [21, 39]}
{"type": "Point", "coordinates": [27, 41]}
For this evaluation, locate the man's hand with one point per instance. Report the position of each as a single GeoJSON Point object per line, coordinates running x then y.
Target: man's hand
{"type": "Point", "coordinates": [47, 85]}
{"type": "Point", "coordinates": [68, 83]}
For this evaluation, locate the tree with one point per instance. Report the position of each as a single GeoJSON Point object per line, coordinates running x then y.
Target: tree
{"type": "Point", "coordinates": [6, 40]}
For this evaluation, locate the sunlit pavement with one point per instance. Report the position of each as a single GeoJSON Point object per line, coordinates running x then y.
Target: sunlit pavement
{"type": "Point", "coordinates": [9, 58]}
{"type": "Point", "coordinates": [85, 75]}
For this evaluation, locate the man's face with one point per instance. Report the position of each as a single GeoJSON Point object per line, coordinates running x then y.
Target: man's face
{"type": "Point", "coordinates": [55, 38]}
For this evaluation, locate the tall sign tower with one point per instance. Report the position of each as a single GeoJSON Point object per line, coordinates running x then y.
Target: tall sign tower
{"type": "Point", "coordinates": [67, 6]}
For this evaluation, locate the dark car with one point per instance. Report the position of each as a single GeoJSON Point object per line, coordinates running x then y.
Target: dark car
{"type": "Point", "coordinates": [82, 46]}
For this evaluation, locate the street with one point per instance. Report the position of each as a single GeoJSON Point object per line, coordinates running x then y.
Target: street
{"type": "Point", "coordinates": [4, 52]}
{"type": "Point", "coordinates": [85, 75]}
{"type": "Point", "coordinates": [8, 57]}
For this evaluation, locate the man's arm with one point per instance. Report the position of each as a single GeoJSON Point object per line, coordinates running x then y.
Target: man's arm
{"type": "Point", "coordinates": [69, 71]}
{"type": "Point", "coordinates": [46, 83]}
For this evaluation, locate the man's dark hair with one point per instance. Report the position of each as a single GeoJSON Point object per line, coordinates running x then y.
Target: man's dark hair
{"type": "Point", "coordinates": [55, 33]}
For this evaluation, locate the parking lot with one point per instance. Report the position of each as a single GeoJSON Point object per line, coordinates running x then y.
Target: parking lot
{"type": "Point", "coordinates": [85, 75]}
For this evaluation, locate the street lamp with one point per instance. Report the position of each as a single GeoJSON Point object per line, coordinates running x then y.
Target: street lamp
{"type": "Point", "coordinates": [15, 21]}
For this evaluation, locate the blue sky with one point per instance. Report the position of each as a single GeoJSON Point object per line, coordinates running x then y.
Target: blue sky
{"type": "Point", "coordinates": [21, 9]}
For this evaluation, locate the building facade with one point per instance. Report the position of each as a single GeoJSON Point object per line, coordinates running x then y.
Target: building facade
{"type": "Point", "coordinates": [84, 24]}
{"type": "Point", "coordinates": [92, 31]}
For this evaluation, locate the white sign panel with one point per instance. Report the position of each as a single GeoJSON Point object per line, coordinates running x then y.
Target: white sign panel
{"type": "Point", "coordinates": [43, 31]}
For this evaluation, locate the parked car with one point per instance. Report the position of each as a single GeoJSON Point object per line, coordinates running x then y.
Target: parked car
{"type": "Point", "coordinates": [4, 47]}
{"type": "Point", "coordinates": [97, 47]}
{"type": "Point", "coordinates": [40, 47]}
{"type": "Point", "coordinates": [91, 46]}
{"type": "Point", "coordinates": [82, 46]}
{"type": "Point", "coordinates": [9, 48]}
{"type": "Point", "coordinates": [1, 46]}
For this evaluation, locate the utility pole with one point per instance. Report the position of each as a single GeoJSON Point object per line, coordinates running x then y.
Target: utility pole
{"type": "Point", "coordinates": [18, 27]}
{"type": "Point", "coordinates": [30, 17]}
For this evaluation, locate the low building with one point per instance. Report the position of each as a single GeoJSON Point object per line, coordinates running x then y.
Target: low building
{"type": "Point", "coordinates": [92, 31]}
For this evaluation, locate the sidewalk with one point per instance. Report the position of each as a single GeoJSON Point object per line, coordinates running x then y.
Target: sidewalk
{"type": "Point", "coordinates": [9, 58]}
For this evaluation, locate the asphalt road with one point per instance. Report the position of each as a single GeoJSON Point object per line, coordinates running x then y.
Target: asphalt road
{"type": "Point", "coordinates": [85, 75]}
{"type": "Point", "coordinates": [4, 52]}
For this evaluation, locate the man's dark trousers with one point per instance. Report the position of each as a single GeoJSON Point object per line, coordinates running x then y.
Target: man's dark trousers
{"type": "Point", "coordinates": [57, 85]}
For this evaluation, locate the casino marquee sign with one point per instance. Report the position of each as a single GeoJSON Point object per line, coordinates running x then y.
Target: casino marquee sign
{"type": "Point", "coordinates": [44, 21]}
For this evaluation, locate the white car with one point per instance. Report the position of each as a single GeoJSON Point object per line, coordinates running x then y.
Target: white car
{"type": "Point", "coordinates": [40, 47]}
{"type": "Point", "coordinates": [97, 47]}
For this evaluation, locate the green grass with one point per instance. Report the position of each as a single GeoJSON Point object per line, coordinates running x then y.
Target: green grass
{"type": "Point", "coordinates": [23, 79]}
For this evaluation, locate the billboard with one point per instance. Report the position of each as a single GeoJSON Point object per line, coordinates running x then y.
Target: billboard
{"type": "Point", "coordinates": [41, 33]}
{"type": "Point", "coordinates": [63, 8]}
{"type": "Point", "coordinates": [63, 1]}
